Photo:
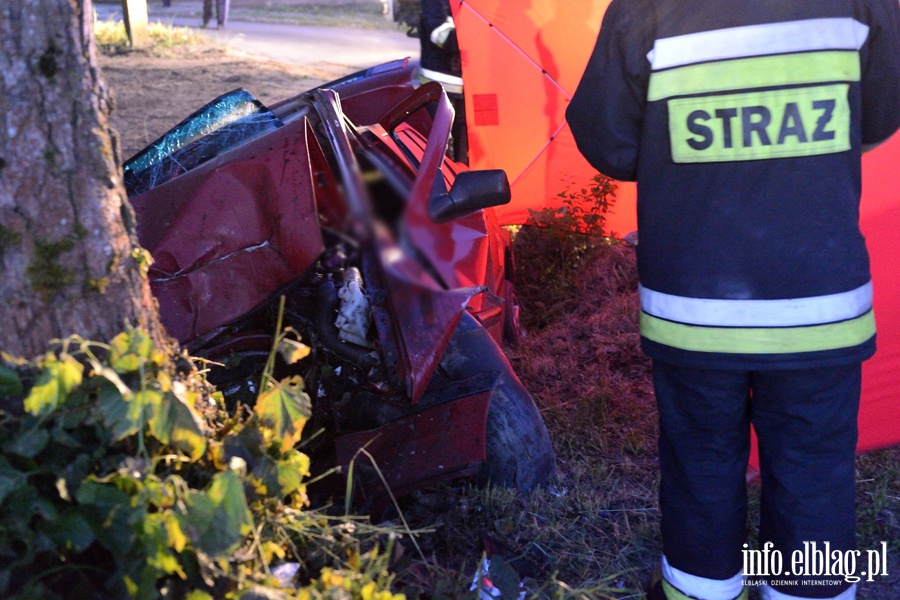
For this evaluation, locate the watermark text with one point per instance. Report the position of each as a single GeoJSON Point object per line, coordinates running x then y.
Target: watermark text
{"type": "Point", "coordinates": [815, 560]}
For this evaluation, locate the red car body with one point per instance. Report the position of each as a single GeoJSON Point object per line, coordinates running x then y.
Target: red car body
{"type": "Point", "coordinates": [240, 204]}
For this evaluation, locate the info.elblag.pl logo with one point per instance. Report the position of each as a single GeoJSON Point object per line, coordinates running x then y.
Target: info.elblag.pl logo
{"type": "Point", "coordinates": [816, 561]}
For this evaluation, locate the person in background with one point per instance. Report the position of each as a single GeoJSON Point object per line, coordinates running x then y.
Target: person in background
{"type": "Point", "coordinates": [221, 12]}
{"type": "Point", "coordinates": [743, 122]}
{"type": "Point", "coordinates": [440, 61]}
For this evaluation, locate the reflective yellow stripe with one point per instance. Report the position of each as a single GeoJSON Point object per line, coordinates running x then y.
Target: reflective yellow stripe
{"type": "Point", "coordinates": [760, 125]}
{"type": "Point", "coordinates": [759, 340]}
{"type": "Point", "coordinates": [756, 72]}
{"type": "Point", "coordinates": [673, 594]}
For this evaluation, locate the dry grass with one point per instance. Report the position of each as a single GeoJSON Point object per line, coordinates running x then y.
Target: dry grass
{"type": "Point", "coordinates": [595, 527]}
{"type": "Point", "coordinates": [111, 38]}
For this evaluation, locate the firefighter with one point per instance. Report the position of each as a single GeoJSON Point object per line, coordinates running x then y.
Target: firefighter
{"type": "Point", "coordinates": [743, 122]}
{"type": "Point", "coordinates": [440, 61]}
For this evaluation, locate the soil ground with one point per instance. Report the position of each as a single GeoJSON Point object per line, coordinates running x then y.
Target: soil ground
{"type": "Point", "coordinates": [152, 93]}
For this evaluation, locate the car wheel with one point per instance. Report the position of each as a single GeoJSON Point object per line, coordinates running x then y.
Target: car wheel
{"type": "Point", "coordinates": [519, 450]}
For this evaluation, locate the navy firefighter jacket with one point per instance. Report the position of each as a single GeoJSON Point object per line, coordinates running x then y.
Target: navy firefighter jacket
{"type": "Point", "coordinates": [743, 122]}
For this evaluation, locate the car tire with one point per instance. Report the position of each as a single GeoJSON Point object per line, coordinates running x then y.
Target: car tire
{"type": "Point", "coordinates": [519, 450]}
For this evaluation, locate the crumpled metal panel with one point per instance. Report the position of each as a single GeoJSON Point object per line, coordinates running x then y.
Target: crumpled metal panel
{"type": "Point", "coordinates": [224, 123]}
{"type": "Point", "coordinates": [442, 442]}
{"type": "Point", "coordinates": [413, 315]}
{"type": "Point", "coordinates": [423, 315]}
{"type": "Point", "coordinates": [231, 232]}
{"type": "Point", "coordinates": [465, 251]}
{"type": "Point", "coordinates": [420, 317]}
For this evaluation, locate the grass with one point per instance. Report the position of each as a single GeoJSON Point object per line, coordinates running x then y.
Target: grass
{"type": "Point", "coordinates": [878, 513]}
{"type": "Point", "coordinates": [593, 533]}
{"type": "Point", "coordinates": [111, 37]}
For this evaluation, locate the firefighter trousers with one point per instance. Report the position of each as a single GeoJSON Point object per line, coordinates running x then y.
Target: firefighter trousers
{"type": "Point", "coordinates": [806, 425]}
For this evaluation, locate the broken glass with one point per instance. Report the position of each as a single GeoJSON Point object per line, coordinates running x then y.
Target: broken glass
{"type": "Point", "coordinates": [227, 122]}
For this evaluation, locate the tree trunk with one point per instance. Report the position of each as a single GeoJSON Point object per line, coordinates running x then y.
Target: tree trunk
{"type": "Point", "coordinates": [69, 258]}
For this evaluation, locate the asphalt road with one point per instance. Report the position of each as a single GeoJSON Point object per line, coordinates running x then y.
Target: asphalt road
{"type": "Point", "coordinates": [294, 44]}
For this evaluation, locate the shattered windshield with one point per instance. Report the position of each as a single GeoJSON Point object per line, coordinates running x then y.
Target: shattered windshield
{"type": "Point", "coordinates": [226, 122]}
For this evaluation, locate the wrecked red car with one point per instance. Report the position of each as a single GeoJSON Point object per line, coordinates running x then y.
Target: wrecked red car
{"type": "Point", "coordinates": [394, 269]}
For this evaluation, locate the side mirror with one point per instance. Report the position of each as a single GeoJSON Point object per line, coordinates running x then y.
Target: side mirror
{"type": "Point", "coordinates": [471, 191]}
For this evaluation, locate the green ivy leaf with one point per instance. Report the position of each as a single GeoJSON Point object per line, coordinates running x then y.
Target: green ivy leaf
{"type": "Point", "coordinates": [284, 410]}
{"type": "Point", "coordinates": [292, 351]}
{"type": "Point", "coordinates": [113, 411]}
{"type": "Point", "coordinates": [124, 417]}
{"type": "Point", "coordinates": [10, 479]}
{"type": "Point", "coordinates": [30, 443]}
{"type": "Point", "coordinates": [159, 543]}
{"type": "Point", "coordinates": [218, 519]}
{"type": "Point", "coordinates": [174, 534]}
{"type": "Point", "coordinates": [10, 384]}
{"type": "Point", "coordinates": [264, 478]}
{"type": "Point", "coordinates": [109, 512]}
{"type": "Point", "coordinates": [63, 438]}
{"type": "Point", "coordinates": [55, 382]}
{"type": "Point", "coordinates": [291, 472]}
{"type": "Point", "coordinates": [180, 426]}
{"type": "Point", "coordinates": [131, 348]}
{"type": "Point", "coordinates": [25, 502]}
{"type": "Point", "coordinates": [5, 575]}
{"type": "Point", "coordinates": [71, 531]}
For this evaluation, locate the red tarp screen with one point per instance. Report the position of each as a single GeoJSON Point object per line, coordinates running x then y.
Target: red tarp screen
{"type": "Point", "coordinates": [522, 61]}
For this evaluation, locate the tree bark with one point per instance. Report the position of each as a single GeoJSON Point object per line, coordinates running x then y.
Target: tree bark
{"type": "Point", "coordinates": [69, 258]}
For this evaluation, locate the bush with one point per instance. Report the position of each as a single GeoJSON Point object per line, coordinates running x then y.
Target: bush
{"type": "Point", "coordinates": [557, 246]}
{"type": "Point", "coordinates": [121, 476]}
